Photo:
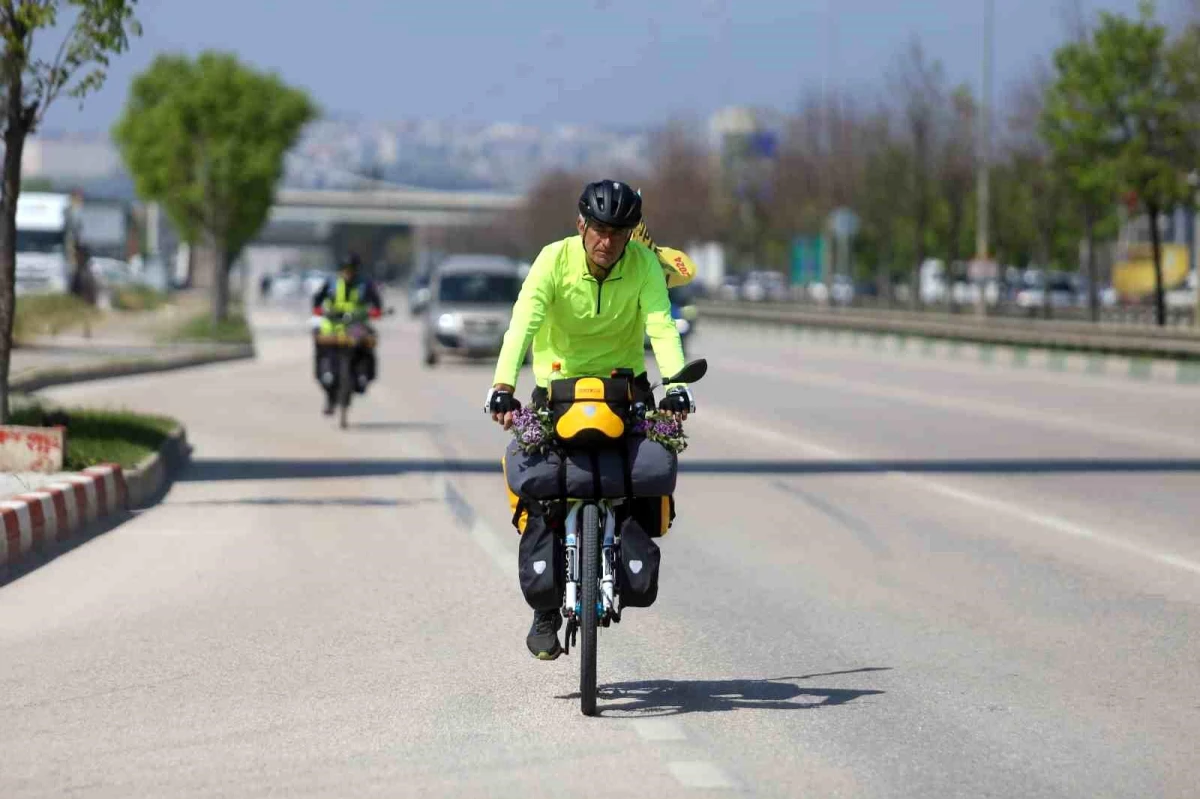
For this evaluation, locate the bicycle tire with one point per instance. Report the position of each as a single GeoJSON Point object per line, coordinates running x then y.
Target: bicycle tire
{"type": "Point", "coordinates": [345, 388]}
{"type": "Point", "coordinates": [590, 577]}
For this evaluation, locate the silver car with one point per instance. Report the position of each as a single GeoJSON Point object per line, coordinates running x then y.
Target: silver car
{"type": "Point", "coordinates": [470, 306]}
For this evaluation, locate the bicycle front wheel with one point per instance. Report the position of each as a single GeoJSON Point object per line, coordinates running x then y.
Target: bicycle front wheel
{"type": "Point", "coordinates": [345, 387]}
{"type": "Point", "coordinates": [590, 577]}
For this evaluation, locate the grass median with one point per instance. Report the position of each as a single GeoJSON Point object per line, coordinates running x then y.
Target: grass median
{"type": "Point", "coordinates": [97, 436]}
{"type": "Point", "coordinates": [51, 314]}
{"type": "Point", "coordinates": [201, 327]}
{"type": "Point", "coordinates": [138, 298]}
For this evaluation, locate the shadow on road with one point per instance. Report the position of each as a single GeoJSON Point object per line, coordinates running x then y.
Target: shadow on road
{"type": "Point", "coordinates": [397, 427]}
{"type": "Point", "coordinates": [220, 469]}
{"type": "Point", "coordinates": [51, 550]}
{"type": "Point", "coordinates": [305, 502]}
{"type": "Point", "coordinates": [677, 697]}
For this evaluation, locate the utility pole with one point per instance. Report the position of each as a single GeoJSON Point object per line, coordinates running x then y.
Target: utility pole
{"type": "Point", "coordinates": [829, 86]}
{"type": "Point", "coordinates": [983, 192]}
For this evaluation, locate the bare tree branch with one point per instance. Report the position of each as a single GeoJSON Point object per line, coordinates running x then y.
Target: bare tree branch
{"type": "Point", "coordinates": [55, 80]}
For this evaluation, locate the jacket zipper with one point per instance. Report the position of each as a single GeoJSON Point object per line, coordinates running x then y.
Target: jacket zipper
{"type": "Point", "coordinates": [600, 291]}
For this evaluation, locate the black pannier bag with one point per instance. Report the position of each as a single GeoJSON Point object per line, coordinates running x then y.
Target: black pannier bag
{"type": "Point", "coordinates": [541, 558]}
{"type": "Point", "coordinates": [598, 474]}
{"type": "Point", "coordinates": [639, 565]}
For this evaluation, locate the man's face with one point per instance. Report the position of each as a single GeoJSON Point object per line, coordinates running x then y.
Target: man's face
{"type": "Point", "coordinates": [604, 245]}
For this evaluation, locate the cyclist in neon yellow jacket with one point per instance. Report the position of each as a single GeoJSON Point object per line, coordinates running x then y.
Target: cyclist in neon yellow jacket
{"type": "Point", "coordinates": [348, 292]}
{"type": "Point", "coordinates": [587, 303]}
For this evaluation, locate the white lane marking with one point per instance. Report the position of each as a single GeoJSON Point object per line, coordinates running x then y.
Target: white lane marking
{"type": "Point", "coordinates": [699, 774]}
{"type": "Point", "coordinates": [487, 538]}
{"type": "Point", "coordinates": [722, 418]}
{"type": "Point", "coordinates": [480, 531]}
{"type": "Point", "coordinates": [658, 729]}
{"type": "Point", "coordinates": [1052, 522]}
{"type": "Point", "coordinates": [976, 406]}
{"type": "Point", "coordinates": [445, 489]}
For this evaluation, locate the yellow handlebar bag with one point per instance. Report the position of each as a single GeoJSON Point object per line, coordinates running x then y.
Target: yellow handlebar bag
{"type": "Point", "coordinates": [590, 412]}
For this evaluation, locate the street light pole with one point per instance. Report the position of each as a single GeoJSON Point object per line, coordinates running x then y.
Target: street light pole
{"type": "Point", "coordinates": [985, 135]}
{"type": "Point", "coordinates": [983, 190]}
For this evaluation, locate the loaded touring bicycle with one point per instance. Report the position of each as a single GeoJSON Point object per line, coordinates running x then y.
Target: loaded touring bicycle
{"type": "Point", "coordinates": [592, 477]}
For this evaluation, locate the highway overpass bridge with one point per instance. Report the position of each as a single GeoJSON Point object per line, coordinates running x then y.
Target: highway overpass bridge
{"type": "Point", "coordinates": [399, 207]}
{"type": "Point", "coordinates": [384, 224]}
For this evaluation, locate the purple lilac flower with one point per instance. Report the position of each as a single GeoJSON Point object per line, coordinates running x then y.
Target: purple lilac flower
{"type": "Point", "coordinates": [666, 428]}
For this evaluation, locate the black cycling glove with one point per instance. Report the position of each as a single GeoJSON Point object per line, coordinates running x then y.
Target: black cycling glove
{"type": "Point", "coordinates": [500, 400]}
{"type": "Point", "coordinates": [678, 400]}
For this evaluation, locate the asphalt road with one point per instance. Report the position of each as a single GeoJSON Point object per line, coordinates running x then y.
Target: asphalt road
{"type": "Point", "coordinates": [889, 578]}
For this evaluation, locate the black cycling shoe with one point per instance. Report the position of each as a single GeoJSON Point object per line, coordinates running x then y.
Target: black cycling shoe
{"type": "Point", "coordinates": [543, 635]}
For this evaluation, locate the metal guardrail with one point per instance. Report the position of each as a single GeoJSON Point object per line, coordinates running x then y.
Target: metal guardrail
{"type": "Point", "coordinates": [1124, 315]}
{"type": "Point", "coordinates": [1107, 337]}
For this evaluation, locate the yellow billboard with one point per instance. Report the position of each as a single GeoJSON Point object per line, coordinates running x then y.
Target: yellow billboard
{"type": "Point", "coordinates": [1133, 277]}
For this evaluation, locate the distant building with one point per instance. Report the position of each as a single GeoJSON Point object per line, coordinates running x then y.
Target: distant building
{"type": "Point", "coordinates": [69, 158]}
{"type": "Point", "coordinates": [731, 122]}
{"type": "Point", "coordinates": [431, 153]}
{"type": "Point", "coordinates": [740, 132]}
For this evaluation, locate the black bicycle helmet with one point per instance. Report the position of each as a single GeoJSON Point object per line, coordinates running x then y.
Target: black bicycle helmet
{"type": "Point", "coordinates": [611, 203]}
{"type": "Point", "coordinates": [351, 261]}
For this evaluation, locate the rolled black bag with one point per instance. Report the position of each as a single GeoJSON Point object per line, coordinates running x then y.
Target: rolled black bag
{"type": "Point", "coordinates": [653, 470]}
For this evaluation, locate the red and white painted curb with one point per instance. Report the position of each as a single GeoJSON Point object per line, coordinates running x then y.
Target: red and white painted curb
{"type": "Point", "coordinates": [59, 510]}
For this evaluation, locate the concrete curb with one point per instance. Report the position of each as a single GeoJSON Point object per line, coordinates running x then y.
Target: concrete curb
{"type": "Point", "coordinates": [29, 522]}
{"type": "Point", "coordinates": [145, 481]}
{"type": "Point", "coordinates": [60, 376]}
{"type": "Point", "coordinates": [1144, 369]}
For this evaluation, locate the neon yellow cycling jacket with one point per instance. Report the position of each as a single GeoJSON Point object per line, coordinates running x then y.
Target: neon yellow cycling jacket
{"type": "Point", "coordinates": [589, 327]}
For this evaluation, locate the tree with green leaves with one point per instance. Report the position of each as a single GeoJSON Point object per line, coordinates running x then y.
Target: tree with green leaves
{"type": "Point", "coordinates": [886, 242]}
{"type": "Point", "coordinates": [207, 138]}
{"type": "Point", "coordinates": [1118, 115]}
{"type": "Point", "coordinates": [96, 30]}
{"type": "Point", "coordinates": [1072, 152]}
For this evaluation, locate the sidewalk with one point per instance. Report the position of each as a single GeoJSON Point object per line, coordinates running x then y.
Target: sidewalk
{"type": "Point", "coordinates": [116, 335]}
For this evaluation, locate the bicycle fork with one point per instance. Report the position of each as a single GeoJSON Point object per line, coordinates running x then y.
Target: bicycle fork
{"type": "Point", "coordinates": [606, 607]}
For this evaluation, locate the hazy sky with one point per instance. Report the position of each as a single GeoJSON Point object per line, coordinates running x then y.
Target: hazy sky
{"type": "Point", "coordinates": [578, 61]}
